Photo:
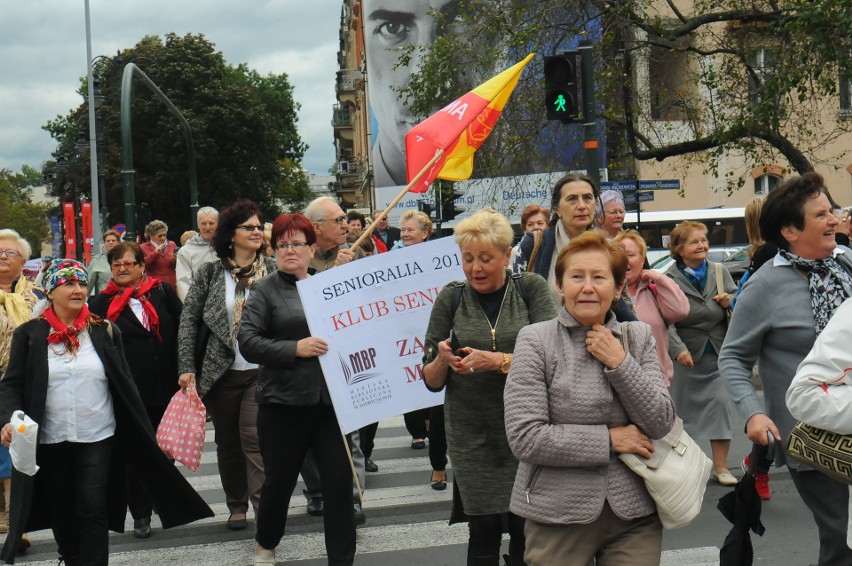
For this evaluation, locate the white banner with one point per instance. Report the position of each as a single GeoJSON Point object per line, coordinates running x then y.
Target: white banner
{"type": "Point", "coordinates": [373, 313]}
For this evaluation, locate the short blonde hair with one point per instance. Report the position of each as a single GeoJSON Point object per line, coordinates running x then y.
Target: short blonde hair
{"type": "Point", "coordinates": [184, 238]}
{"type": "Point", "coordinates": [680, 234]}
{"type": "Point", "coordinates": [421, 218]}
{"type": "Point", "coordinates": [637, 239]}
{"type": "Point", "coordinates": [486, 226]}
{"type": "Point", "coordinates": [23, 245]}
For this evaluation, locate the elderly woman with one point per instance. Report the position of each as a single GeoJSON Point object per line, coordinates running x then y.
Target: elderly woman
{"type": "Point", "coordinates": [572, 206]}
{"type": "Point", "coordinates": [609, 212]}
{"type": "Point", "coordinates": [575, 400]}
{"type": "Point", "coordinates": [225, 380]}
{"type": "Point", "coordinates": [415, 228]}
{"type": "Point", "coordinates": [694, 342]}
{"type": "Point", "coordinates": [782, 309]}
{"type": "Point", "coordinates": [99, 269]}
{"type": "Point", "coordinates": [67, 372]}
{"type": "Point", "coordinates": [147, 311]}
{"type": "Point", "coordinates": [18, 297]}
{"type": "Point", "coordinates": [534, 218]}
{"type": "Point", "coordinates": [159, 252]}
{"type": "Point", "coordinates": [657, 299]}
{"type": "Point", "coordinates": [469, 349]}
{"type": "Point", "coordinates": [292, 396]}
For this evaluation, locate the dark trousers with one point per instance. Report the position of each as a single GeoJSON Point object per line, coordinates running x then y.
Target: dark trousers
{"type": "Point", "coordinates": [232, 407]}
{"type": "Point", "coordinates": [415, 422]}
{"type": "Point", "coordinates": [138, 500]}
{"type": "Point", "coordinates": [368, 439]}
{"type": "Point", "coordinates": [486, 536]}
{"type": "Point", "coordinates": [315, 428]}
{"type": "Point", "coordinates": [828, 500]}
{"type": "Point", "coordinates": [437, 438]}
{"type": "Point", "coordinates": [76, 476]}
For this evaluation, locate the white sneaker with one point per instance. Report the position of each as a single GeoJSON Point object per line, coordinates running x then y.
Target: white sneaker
{"type": "Point", "coordinates": [263, 556]}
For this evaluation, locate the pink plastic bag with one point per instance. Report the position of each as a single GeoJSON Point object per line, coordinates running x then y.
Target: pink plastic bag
{"type": "Point", "coordinates": [181, 432]}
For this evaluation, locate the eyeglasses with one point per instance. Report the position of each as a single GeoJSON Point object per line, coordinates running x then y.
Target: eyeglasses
{"type": "Point", "coordinates": [295, 246]}
{"type": "Point", "coordinates": [11, 253]}
{"type": "Point", "coordinates": [127, 264]}
{"type": "Point", "coordinates": [339, 219]}
{"type": "Point", "coordinates": [250, 227]}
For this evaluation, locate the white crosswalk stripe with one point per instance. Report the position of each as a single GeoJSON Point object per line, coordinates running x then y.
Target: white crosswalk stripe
{"type": "Point", "coordinates": [203, 543]}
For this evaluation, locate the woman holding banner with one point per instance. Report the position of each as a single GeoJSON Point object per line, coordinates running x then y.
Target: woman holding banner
{"type": "Point", "coordinates": [469, 345]}
{"type": "Point", "coordinates": [292, 396]}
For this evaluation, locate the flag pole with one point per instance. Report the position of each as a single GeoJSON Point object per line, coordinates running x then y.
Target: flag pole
{"type": "Point", "coordinates": [394, 202]}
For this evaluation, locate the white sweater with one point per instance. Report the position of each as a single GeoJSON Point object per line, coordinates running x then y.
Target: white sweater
{"type": "Point", "coordinates": [821, 392]}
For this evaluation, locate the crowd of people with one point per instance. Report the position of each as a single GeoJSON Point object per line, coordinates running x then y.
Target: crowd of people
{"type": "Point", "coordinates": [556, 355]}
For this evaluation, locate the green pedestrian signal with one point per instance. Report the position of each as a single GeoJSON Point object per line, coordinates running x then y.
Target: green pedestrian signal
{"type": "Point", "coordinates": [560, 86]}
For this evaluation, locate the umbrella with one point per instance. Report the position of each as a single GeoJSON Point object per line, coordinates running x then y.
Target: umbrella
{"type": "Point", "coordinates": [742, 508]}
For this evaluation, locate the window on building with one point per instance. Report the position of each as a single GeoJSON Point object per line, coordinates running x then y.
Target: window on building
{"type": "Point", "coordinates": [670, 84]}
{"type": "Point", "coordinates": [765, 183]}
{"type": "Point", "coordinates": [763, 64]}
{"type": "Point", "coordinates": [846, 96]}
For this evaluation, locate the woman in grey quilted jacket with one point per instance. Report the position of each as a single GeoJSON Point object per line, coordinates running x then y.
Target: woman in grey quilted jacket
{"type": "Point", "coordinates": [574, 400]}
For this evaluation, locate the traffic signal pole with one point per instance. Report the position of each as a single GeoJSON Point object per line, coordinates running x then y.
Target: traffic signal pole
{"type": "Point", "coordinates": [590, 130]}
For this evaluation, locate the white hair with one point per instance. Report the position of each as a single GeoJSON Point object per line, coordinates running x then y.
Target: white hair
{"type": "Point", "coordinates": [206, 210]}
{"type": "Point", "coordinates": [23, 245]}
{"type": "Point", "coordinates": [604, 199]}
{"type": "Point", "coordinates": [315, 209]}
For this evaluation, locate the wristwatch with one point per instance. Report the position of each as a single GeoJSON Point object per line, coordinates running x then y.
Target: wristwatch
{"type": "Point", "coordinates": [507, 362]}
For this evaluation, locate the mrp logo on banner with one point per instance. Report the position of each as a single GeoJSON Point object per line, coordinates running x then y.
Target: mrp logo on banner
{"type": "Point", "coordinates": [373, 313]}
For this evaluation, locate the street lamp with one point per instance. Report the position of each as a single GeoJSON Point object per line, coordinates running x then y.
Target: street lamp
{"type": "Point", "coordinates": [93, 144]}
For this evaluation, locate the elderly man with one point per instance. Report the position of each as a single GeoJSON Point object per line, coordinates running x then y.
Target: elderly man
{"type": "Point", "coordinates": [329, 223]}
{"type": "Point", "coordinates": [384, 232]}
{"type": "Point", "coordinates": [197, 250]}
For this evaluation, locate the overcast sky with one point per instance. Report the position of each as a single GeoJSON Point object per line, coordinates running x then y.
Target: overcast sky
{"type": "Point", "coordinates": [43, 56]}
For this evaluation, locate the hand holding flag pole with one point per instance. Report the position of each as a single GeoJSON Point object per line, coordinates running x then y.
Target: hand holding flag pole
{"type": "Point", "coordinates": [442, 145]}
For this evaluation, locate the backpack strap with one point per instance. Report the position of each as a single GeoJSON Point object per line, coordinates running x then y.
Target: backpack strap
{"type": "Point", "coordinates": [458, 289]}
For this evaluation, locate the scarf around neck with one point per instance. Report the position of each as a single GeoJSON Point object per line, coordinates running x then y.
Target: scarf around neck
{"type": "Point", "coordinates": [142, 292]}
{"type": "Point", "coordinates": [827, 293]}
{"type": "Point", "coordinates": [68, 335]}
{"type": "Point", "coordinates": [14, 303]}
{"type": "Point", "coordinates": [697, 277]}
{"type": "Point", "coordinates": [244, 278]}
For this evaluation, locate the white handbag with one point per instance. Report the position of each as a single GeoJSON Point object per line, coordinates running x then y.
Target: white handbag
{"type": "Point", "coordinates": [676, 474]}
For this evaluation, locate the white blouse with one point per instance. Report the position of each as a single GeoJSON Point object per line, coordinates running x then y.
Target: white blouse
{"type": "Point", "coordinates": [240, 363]}
{"type": "Point", "coordinates": [79, 404]}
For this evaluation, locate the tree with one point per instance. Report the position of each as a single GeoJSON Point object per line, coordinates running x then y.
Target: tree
{"type": "Point", "coordinates": [243, 126]}
{"type": "Point", "coordinates": [18, 212]}
{"type": "Point", "coordinates": [757, 79]}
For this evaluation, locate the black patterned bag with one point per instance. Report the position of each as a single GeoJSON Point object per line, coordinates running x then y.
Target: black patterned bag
{"type": "Point", "coordinates": [825, 451]}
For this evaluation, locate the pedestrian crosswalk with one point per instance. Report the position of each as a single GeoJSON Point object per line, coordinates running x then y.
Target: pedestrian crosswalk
{"type": "Point", "coordinates": [403, 514]}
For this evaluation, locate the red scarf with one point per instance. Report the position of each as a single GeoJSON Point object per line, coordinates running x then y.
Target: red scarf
{"type": "Point", "coordinates": [122, 295]}
{"type": "Point", "coordinates": [67, 334]}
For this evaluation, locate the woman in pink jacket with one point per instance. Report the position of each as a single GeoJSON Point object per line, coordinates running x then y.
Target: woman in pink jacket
{"type": "Point", "coordinates": [657, 299]}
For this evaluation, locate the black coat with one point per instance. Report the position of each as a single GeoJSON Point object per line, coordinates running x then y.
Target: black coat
{"type": "Point", "coordinates": [152, 363]}
{"type": "Point", "coordinates": [24, 386]}
{"type": "Point", "coordinates": [393, 235]}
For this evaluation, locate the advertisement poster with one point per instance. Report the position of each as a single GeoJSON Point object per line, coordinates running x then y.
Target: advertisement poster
{"type": "Point", "coordinates": [373, 313]}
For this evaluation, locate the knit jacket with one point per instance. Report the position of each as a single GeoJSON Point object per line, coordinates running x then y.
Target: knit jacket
{"type": "Point", "coordinates": [206, 302]}
{"type": "Point", "coordinates": [560, 403]}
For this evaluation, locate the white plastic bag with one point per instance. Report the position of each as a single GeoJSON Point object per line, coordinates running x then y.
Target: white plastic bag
{"type": "Point", "coordinates": [23, 446]}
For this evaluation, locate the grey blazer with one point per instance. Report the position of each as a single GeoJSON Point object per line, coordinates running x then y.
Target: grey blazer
{"type": "Point", "coordinates": [206, 301]}
{"type": "Point", "coordinates": [706, 320]}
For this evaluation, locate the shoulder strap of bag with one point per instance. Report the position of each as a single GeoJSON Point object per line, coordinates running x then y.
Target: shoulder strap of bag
{"type": "Point", "coordinates": [538, 235]}
{"type": "Point", "coordinates": [720, 279]}
{"type": "Point", "coordinates": [109, 329]}
{"type": "Point", "coordinates": [625, 339]}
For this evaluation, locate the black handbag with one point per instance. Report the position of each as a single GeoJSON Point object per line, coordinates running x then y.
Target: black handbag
{"type": "Point", "coordinates": [825, 451]}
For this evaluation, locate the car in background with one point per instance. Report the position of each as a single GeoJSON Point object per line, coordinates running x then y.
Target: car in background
{"type": "Point", "coordinates": [737, 263]}
{"type": "Point", "coordinates": [717, 254]}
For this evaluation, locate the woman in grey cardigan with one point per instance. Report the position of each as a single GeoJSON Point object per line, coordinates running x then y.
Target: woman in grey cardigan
{"type": "Point", "coordinates": [226, 382]}
{"type": "Point", "coordinates": [574, 400]}
{"type": "Point", "coordinates": [782, 309]}
{"type": "Point", "coordinates": [694, 343]}
{"type": "Point", "coordinates": [483, 316]}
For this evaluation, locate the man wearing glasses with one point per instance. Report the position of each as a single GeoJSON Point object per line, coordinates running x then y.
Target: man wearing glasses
{"type": "Point", "coordinates": [329, 222]}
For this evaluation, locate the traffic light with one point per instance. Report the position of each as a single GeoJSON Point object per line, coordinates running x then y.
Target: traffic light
{"type": "Point", "coordinates": [560, 86]}
{"type": "Point", "coordinates": [449, 194]}
{"type": "Point", "coordinates": [425, 207]}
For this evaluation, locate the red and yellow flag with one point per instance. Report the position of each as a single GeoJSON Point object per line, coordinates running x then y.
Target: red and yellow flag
{"type": "Point", "coordinates": [459, 129]}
